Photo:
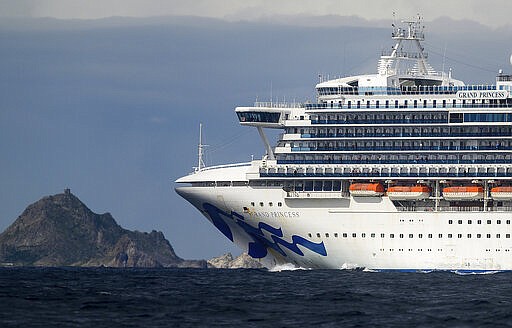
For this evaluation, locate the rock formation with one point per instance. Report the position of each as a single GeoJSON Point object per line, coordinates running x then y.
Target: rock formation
{"type": "Point", "coordinates": [227, 261]}
{"type": "Point", "coordinates": [60, 230]}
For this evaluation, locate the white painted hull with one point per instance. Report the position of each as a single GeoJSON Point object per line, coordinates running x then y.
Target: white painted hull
{"type": "Point", "coordinates": [345, 228]}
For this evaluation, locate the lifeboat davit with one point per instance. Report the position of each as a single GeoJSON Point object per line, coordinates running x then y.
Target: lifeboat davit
{"type": "Point", "coordinates": [501, 193]}
{"type": "Point", "coordinates": [463, 193]}
{"type": "Point", "coordinates": [366, 189]}
{"type": "Point", "coordinates": [408, 192]}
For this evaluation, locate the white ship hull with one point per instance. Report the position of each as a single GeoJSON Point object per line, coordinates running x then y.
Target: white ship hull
{"type": "Point", "coordinates": [354, 232]}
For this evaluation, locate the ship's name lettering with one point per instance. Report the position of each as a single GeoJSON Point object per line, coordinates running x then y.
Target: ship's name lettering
{"type": "Point", "coordinates": [481, 94]}
{"type": "Point", "coordinates": [280, 214]}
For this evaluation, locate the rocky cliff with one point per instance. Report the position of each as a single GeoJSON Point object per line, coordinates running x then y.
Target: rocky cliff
{"type": "Point", "coordinates": [60, 230]}
{"type": "Point", "coordinates": [227, 261]}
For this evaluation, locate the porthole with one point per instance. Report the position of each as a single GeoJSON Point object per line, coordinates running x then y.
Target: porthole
{"type": "Point", "coordinates": [270, 204]}
{"type": "Point", "coordinates": [460, 222]}
{"type": "Point", "coordinates": [279, 204]}
{"type": "Point", "coordinates": [335, 235]}
{"type": "Point", "coordinates": [318, 235]}
{"type": "Point", "coordinates": [488, 221]}
{"type": "Point", "coordinates": [309, 235]}
{"type": "Point", "coordinates": [261, 204]}
{"type": "Point", "coordinates": [327, 235]}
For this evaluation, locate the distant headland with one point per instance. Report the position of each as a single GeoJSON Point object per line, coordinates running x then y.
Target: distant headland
{"type": "Point", "coordinates": [60, 230]}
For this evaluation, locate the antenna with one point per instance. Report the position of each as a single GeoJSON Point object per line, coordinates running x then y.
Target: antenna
{"type": "Point", "coordinates": [200, 162]}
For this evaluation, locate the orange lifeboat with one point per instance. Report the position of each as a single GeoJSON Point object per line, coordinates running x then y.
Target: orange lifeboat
{"type": "Point", "coordinates": [501, 193]}
{"type": "Point", "coordinates": [463, 193]}
{"type": "Point", "coordinates": [366, 189]}
{"type": "Point", "coordinates": [409, 192]}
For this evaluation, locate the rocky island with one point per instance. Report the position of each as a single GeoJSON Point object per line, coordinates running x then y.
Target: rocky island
{"type": "Point", "coordinates": [60, 230]}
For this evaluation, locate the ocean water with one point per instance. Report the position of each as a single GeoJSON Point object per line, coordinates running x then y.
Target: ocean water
{"type": "Point", "coordinates": [103, 297]}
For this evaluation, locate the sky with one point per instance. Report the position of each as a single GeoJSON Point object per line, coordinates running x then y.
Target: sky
{"type": "Point", "coordinates": [493, 13]}
{"type": "Point", "coordinates": [110, 106]}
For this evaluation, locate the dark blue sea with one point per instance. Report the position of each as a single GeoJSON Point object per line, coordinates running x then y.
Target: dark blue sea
{"type": "Point", "coordinates": [77, 297]}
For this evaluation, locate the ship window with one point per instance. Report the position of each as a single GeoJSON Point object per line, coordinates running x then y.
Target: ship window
{"type": "Point", "coordinates": [450, 235]}
{"type": "Point", "coordinates": [450, 221]}
{"type": "Point", "coordinates": [354, 235]}
{"type": "Point", "coordinates": [429, 235]}
{"type": "Point", "coordinates": [424, 104]}
{"type": "Point", "coordinates": [434, 103]}
{"type": "Point", "coordinates": [345, 235]}
{"type": "Point", "coordinates": [497, 235]}
{"type": "Point", "coordinates": [358, 104]}
{"type": "Point", "coordinates": [327, 235]}
{"type": "Point", "coordinates": [469, 221]}
{"type": "Point", "coordinates": [259, 117]}
{"type": "Point", "coordinates": [401, 235]}
{"type": "Point", "coordinates": [372, 235]}
{"type": "Point", "coordinates": [508, 221]}
{"type": "Point", "coordinates": [309, 235]}
{"type": "Point", "coordinates": [252, 203]}
{"type": "Point", "coordinates": [382, 235]}
{"type": "Point", "coordinates": [392, 235]}
{"type": "Point", "coordinates": [440, 235]}
{"type": "Point", "coordinates": [444, 103]}
{"type": "Point", "coordinates": [479, 221]}
{"type": "Point", "coordinates": [279, 204]}
{"type": "Point", "coordinates": [349, 104]}
{"type": "Point", "coordinates": [478, 235]}
{"type": "Point", "coordinates": [387, 103]}
{"type": "Point", "coordinates": [498, 222]}
{"type": "Point", "coordinates": [488, 235]}
{"type": "Point", "coordinates": [488, 221]}
{"type": "Point", "coordinates": [507, 235]}
{"type": "Point", "coordinates": [410, 235]}
{"type": "Point", "coordinates": [261, 204]}
{"type": "Point", "coordinates": [363, 235]}
{"type": "Point", "coordinates": [460, 221]}
{"type": "Point", "coordinates": [270, 204]}
{"type": "Point", "coordinates": [396, 103]}
{"type": "Point", "coordinates": [420, 235]}
{"type": "Point", "coordinates": [459, 235]}
{"type": "Point", "coordinates": [335, 235]}
{"type": "Point", "coordinates": [454, 103]}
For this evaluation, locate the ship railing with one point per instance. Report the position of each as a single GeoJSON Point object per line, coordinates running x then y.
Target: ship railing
{"type": "Point", "coordinates": [322, 106]}
{"type": "Point", "coordinates": [408, 89]}
{"type": "Point", "coordinates": [223, 166]}
{"type": "Point", "coordinates": [274, 104]}
{"type": "Point", "coordinates": [504, 78]}
{"type": "Point", "coordinates": [453, 209]}
{"type": "Point", "coordinates": [317, 194]}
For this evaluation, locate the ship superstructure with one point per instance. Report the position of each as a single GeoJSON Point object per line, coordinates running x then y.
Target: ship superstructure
{"type": "Point", "coordinates": [405, 169]}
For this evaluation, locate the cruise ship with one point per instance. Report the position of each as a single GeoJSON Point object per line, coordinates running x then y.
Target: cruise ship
{"type": "Point", "coordinates": [407, 169]}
